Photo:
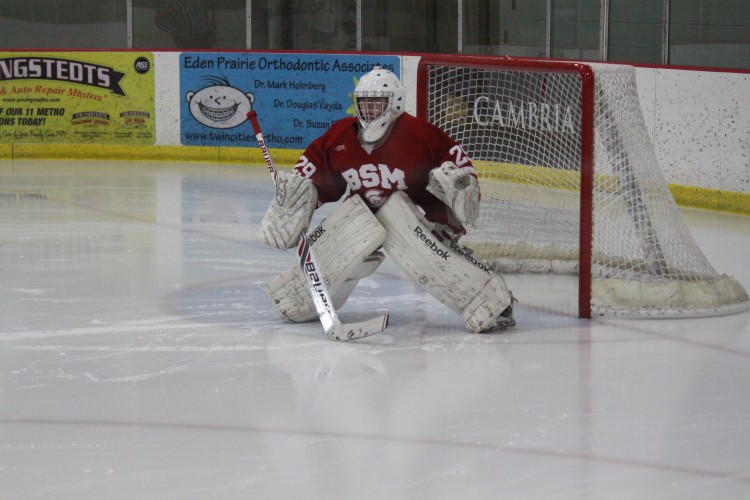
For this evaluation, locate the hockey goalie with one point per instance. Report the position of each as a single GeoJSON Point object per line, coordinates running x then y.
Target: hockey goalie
{"type": "Point", "coordinates": [410, 190]}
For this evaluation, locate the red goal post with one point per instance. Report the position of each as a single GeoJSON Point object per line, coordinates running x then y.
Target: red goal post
{"type": "Point", "coordinates": [571, 183]}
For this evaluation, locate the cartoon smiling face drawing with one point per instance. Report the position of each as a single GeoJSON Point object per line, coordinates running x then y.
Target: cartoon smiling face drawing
{"type": "Point", "coordinates": [220, 105]}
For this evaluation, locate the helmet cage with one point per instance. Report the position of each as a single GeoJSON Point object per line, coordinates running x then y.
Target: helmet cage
{"type": "Point", "coordinates": [362, 109]}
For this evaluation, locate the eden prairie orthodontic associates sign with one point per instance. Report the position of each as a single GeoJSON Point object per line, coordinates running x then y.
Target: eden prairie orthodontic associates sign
{"type": "Point", "coordinates": [297, 96]}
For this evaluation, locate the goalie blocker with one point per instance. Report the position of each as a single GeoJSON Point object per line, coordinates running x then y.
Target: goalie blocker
{"type": "Point", "coordinates": [346, 244]}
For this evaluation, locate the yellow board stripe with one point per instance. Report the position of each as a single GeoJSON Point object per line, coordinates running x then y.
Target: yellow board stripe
{"type": "Point", "coordinates": [686, 196]}
{"type": "Point", "coordinates": [24, 151]}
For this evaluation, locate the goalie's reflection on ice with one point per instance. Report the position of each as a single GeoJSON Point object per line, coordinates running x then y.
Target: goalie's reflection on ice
{"type": "Point", "coordinates": [142, 358]}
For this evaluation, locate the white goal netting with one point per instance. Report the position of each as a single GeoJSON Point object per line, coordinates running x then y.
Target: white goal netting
{"type": "Point", "coordinates": [571, 184]}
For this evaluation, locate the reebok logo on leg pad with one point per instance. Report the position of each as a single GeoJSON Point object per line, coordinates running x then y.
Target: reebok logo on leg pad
{"type": "Point", "coordinates": [419, 232]}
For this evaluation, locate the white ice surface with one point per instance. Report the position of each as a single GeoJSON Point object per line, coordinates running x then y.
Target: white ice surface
{"type": "Point", "coordinates": [141, 359]}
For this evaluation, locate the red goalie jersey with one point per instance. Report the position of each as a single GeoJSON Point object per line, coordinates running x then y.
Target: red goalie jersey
{"type": "Point", "coordinates": [336, 161]}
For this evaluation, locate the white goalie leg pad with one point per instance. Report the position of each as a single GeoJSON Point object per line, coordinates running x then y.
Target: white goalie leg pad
{"type": "Point", "coordinates": [345, 245]}
{"type": "Point", "coordinates": [458, 189]}
{"type": "Point", "coordinates": [481, 313]}
{"type": "Point", "coordinates": [290, 212]}
{"type": "Point", "coordinates": [455, 278]}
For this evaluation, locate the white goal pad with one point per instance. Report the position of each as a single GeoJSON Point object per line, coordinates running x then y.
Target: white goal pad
{"type": "Point", "coordinates": [345, 245]}
{"type": "Point", "coordinates": [456, 279]}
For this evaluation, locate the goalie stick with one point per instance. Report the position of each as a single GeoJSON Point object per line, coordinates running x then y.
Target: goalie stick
{"type": "Point", "coordinates": [334, 328]}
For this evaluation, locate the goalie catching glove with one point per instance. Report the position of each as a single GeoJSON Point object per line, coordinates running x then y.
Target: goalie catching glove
{"type": "Point", "coordinates": [456, 188]}
{"type": "Point", "coordinates": [290, 212]}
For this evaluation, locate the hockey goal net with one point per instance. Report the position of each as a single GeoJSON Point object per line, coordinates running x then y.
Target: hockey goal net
{"type": "Point", "coordinates": [571, 184]}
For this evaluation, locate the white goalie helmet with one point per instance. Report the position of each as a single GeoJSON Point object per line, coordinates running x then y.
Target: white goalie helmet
{"type": "Point", "coordinates": [379, 85]}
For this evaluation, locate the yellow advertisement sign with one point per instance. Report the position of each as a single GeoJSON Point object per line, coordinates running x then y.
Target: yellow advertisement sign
{"type": "Point", "coordinates": [77, 97]}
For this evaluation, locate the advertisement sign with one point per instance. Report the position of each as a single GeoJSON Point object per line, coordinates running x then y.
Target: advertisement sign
{"type": "Point", "coordinates": [77, 97]}
{"type": "Point", "coordinates": [297, 96]}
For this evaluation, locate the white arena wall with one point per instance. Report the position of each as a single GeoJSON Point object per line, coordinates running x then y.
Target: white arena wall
{"type": "Point", "coordinates": [697, 120]}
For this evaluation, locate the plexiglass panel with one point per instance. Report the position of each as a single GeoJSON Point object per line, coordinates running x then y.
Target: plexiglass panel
{"type": "Point", "coordinates": [635, 31]}
{"type": "Point", "coordinates": [507, 27]}
{"type": "Point", "coordinates": [576, 29]}
{"type": "Point", "coordinates": [710, 33]}
{"type": "Point", "coordinates": [189, 24]}
{"type": "Point", "coordinates": [410, 25]}
{"type": "Point", "coordinates": [56, 24]}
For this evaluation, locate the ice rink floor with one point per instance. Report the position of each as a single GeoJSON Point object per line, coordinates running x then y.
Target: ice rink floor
{"type": "Point", "coordinates": [141, 359]}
